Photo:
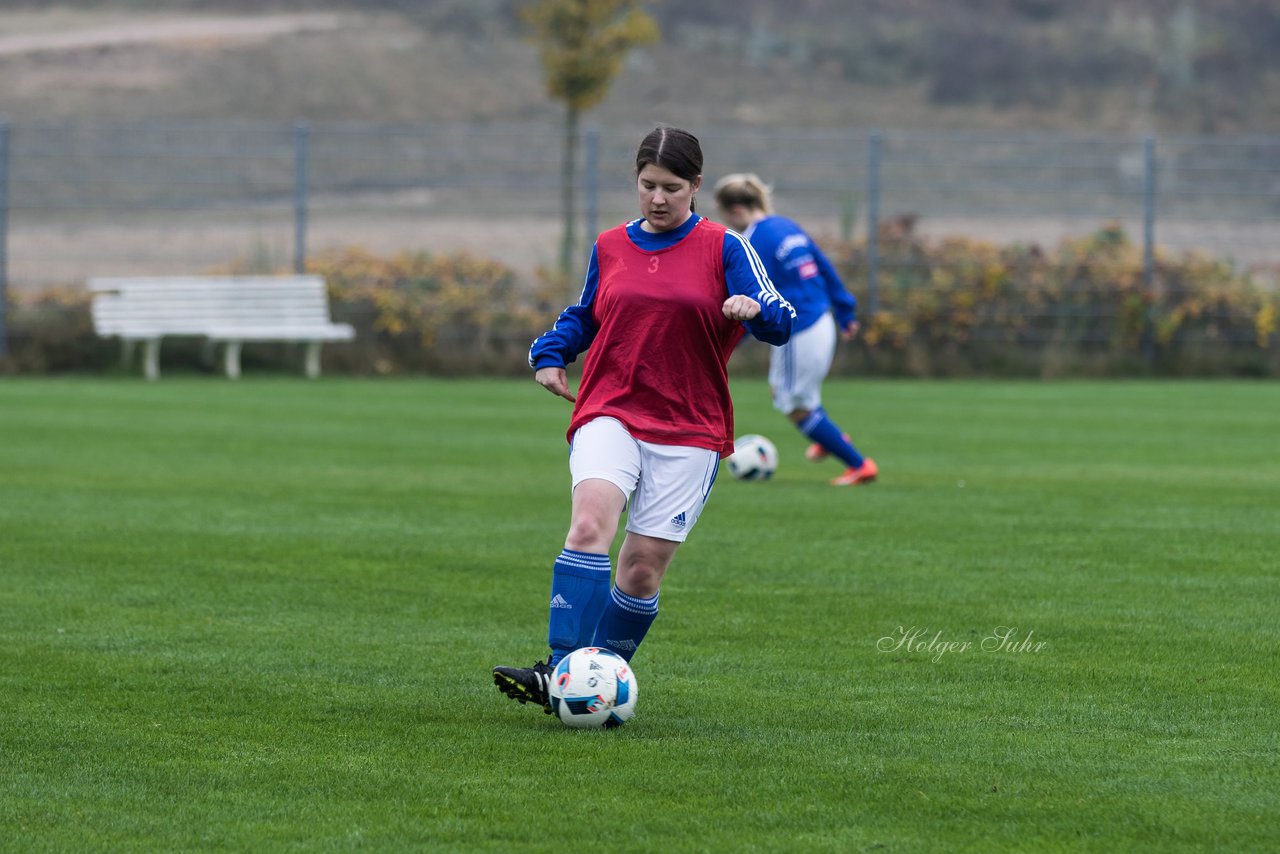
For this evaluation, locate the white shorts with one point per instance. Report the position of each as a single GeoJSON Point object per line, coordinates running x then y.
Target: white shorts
{"type": "Point", "coordinates": [666, 485]}
{"type": "Point", "coordinates": [797, 368]}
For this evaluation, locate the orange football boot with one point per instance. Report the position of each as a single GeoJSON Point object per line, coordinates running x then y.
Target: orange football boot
{"type": "Point", "coordinates": [815, 453]}
{"type": "Point", "coordinates": [864, 473]}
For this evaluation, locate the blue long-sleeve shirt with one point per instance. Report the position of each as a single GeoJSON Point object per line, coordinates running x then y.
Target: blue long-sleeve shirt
{"type": "Point", "coordinates": [801, 272]}
{"type": "Point", "coordinates": [744, 272]}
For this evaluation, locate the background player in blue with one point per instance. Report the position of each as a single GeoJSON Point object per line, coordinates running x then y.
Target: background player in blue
{"type": "Point", "coordinates": [807, 280]}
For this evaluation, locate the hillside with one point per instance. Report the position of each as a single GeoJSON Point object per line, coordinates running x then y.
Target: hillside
{"type": "Point", "coordinates": [1206, 67]}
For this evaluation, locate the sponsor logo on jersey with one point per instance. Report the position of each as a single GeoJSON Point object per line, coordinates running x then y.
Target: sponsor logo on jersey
{"type": "Point", "coordinates": [790, 243]}
{"type": "Point", "coordinates": [808, 269]}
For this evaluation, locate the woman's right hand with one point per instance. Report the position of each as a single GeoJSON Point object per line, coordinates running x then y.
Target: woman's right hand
{"type": "Point", "coordinates": [555, 381]}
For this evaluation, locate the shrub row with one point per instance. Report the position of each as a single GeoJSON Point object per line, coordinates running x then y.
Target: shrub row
{"type": "Point", "coordinates": [964, 307]}
{"type": "Point", "coordinates": [952, 307]}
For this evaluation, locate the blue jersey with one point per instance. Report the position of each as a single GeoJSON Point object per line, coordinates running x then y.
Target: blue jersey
{"type": "Point", "coordinates": [744, 273]}
{"type": "Point", "coordinates": [801, 273]}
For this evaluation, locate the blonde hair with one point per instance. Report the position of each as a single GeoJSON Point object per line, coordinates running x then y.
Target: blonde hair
{"type": "Point", "coordinates": [746, 189]}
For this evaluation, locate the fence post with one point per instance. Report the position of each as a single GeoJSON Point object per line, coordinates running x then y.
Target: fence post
{"type": "Point", "coordinates": [873, 223]}
{"type": "Point", "coordinates": [850, 196]}
{"type": "Point", "coordinates": [4, 238]}
{"type": "Point", "coordinates": [1148, 210]}
{"type": "Point", "coordinates": [592, 187]}
{"type": "Point", "coordinates": [1148, 246]}
{"type": "Point", "coordinates": [301, 134]}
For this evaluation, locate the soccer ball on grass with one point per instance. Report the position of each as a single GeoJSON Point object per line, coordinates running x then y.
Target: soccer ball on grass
{"type": "Point", "coordinates": [753, 458]}
{"type": "Point", "coordinates": [593, 688]}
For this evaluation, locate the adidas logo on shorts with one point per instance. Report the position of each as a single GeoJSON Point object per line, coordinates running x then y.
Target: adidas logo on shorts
{"type": "Point", "coordinates": [678, 520]}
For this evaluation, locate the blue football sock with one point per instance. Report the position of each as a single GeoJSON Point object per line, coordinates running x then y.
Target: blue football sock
{"type": "Point", "coordinates": [579, 591]}
{"type": "Point", "coordinates": [824, 431]}
{"type": "Point", "coordinates": [624, 623]}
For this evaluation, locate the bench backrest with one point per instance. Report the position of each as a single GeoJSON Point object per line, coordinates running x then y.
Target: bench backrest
{"type": "Point", "coordinates": [188, 305]}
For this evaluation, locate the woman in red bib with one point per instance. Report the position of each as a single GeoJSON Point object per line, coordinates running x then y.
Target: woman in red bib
{"type": "Point", "coordinates": [666, 298]}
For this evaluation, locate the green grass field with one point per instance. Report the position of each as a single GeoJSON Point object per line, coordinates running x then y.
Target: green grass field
{"type": "Point", "coordinates": [261, 615]}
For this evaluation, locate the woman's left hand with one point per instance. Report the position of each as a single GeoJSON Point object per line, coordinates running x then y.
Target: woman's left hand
{"type": "Point", "coordinates": [739, 307]}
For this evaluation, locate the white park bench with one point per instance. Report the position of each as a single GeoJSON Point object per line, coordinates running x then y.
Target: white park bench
{"type": "Point", "coordinates": [226, 310]}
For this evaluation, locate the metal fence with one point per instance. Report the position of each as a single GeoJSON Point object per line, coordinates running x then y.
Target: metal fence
{"type": "Point", "coordinates": [112, 198]}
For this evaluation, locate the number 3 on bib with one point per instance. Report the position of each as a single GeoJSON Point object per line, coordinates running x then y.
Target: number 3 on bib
{"type": "Point", "coordinates": [653, 264]}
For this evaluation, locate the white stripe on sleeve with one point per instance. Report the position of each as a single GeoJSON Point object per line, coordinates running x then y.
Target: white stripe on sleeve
{"type": "Point", "coordinates": [767, 293]}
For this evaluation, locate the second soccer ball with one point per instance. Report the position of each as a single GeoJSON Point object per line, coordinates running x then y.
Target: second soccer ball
{"type": "Point", "coordinates": [754, 458]}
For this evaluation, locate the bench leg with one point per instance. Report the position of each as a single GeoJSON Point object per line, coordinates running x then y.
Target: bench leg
{"type": "Point", "coordinates": [313, 359]}
{"type": "Point", "coordinates": [231, 359]}
{"type": "Point", "coordinates": [207, 352]}
{"type": "Point", "coordinates": [151, 358]}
